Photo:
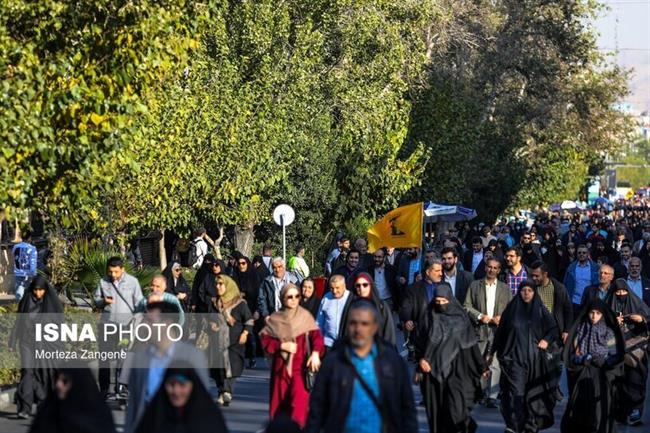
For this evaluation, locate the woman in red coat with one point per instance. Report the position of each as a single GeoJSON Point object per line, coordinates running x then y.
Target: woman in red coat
{"type": "Point", "coordinates": [284, 338]}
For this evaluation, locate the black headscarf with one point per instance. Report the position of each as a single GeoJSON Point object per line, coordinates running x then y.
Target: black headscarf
{"type": "Point", "coordinates": [386, 329]}
{"type": "Point", "coordinates": [181, 285]}
{"type": "Point", "coordinates": [313, 302]}
{"type": "Point", "coordinates": [608, 320]}
{"type": "Point", "coordinates": [248, 281]}
{"type": "Point", "coordinates": [450, 331]}
{"type": "Point", "coordinates": [628, 304]}
{"type": "Point", "coordinates": [522, 326]}
{"type": "Point", "coordinates": [31, 311]}
{"type": "Point", "coordinates": [200, 414]}
{"type": "Point", "coordinates": [50, 303]}
{"type": "Point", "coordinates": [82, 411]}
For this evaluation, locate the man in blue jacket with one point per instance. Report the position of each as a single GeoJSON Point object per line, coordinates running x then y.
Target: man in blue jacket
{"type": "Point", "coordinates": [581, 274]}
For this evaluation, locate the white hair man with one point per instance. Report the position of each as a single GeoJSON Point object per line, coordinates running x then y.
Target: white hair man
{"type": "Point", "coordinates": [269, 301]}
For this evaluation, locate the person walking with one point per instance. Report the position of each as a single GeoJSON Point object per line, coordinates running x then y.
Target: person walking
{"type": "Point", "coordinates": [75, 406]}
{"type": "Point", "coordinates": [176, 284]}
{"type": "Point", "coordinates": [309, 300]}
{"type": "Point", "coordinates": [364, 288]}
{"type": "Point", "coordinates": [293, 340]}
{"type": "Point", "coordinates": [39, 305]}
{"type": "Point", "coordinates": [523, 343]}
{"type": "Point", "coordinates": [485, 303]}
{"type": "Point", "coordinates": [117, 296]}
{"type": "Point", "coordinates": [333, 310]}
{"type": "Point", "coordinates": [230, 323]}
{"type": "Point", "coordinates": [25, 264]}
{"type": "Point", "coordinates": [593, 367]}
{"type": "Point", "coordinates": [364, 385]}
{"type": "Point", "coordinates": [269, 300]}
{"type": "Point", "coordinates": [182, 404]}
{"type": "Point", "coordinates": [450, 364]}
{"type": "Point", "coordinates": [632, 316]}
{"type": "Point", "coordinates": [248, 281]}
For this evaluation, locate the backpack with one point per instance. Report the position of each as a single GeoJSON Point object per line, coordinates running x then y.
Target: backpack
{"type": "Point", "coordinates": [22, 257]}
{"type": "Point", "coordinates": [194, 255]}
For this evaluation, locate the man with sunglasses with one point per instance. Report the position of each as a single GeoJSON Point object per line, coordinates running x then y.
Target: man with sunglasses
{"type": "Point", "coordinates": [363, 384]}
{"type": "Point", "coordinates": [580, 274]}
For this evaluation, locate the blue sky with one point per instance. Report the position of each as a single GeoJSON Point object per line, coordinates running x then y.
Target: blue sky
{"type": "Point", "coordinates": [627, 25]}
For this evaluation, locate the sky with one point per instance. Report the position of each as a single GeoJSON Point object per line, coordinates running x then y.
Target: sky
{"type": "Point", "coordinates": [626, 26]}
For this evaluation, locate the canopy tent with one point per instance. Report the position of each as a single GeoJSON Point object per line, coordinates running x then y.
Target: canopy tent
{"type": "Point", "coordinates": [568, 205]}
{"type": "Point", "coordinates": [434, 212]}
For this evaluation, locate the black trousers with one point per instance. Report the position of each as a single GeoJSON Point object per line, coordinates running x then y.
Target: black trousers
{"type": "Point", "coordinates": [225, 384]}
{"type": "Point", "coordinates": [104, 374]}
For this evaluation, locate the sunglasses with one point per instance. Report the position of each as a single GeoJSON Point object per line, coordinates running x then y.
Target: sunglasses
{"type": "Point", "coordinates": [292, 297]}
{"type": "Point", "coordinates": [242, 263]}
{"type": "Point", "coordinates": [362, 285]}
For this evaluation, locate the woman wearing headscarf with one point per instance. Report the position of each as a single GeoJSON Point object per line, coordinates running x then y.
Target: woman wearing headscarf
{"type": "Point", "coordinates": [593, 357]}
{"type": "Point", "coordinates": [309, 300]}
{"type": "Point", "coordinates": [176, 284]}
{"type": "Point", "coordinates": [288, 337]}
{"type": "Point", "coordinates": [632, 316]}
{"type": "Point", "coordinates": [450, 364]}
{"type": "Point", "coordinates": [203, 284]}
{"type": "Point", "coordinates": [364, 287]}
{"type": "Point", "coordinates": [182, 404]}
{"type": "Point", "coordinates": [230, 324]}
{"type": "Point", "coordinates": [75, 406]}
{"type": "Point", "coordinates": [524, 344]}
{"type": "Point", "coordinates": [39, 305]}
{"type": "Point", "coordinates": [249, 282]}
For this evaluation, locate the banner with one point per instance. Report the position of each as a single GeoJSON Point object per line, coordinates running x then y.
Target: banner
{"type": "Point", "coordinates": [400, 228]}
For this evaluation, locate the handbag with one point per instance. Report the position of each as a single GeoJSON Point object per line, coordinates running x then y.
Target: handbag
{"type": "Point", "coordinates": [635, 349]}
{"type": "Point", "coordinates": [310, 376]}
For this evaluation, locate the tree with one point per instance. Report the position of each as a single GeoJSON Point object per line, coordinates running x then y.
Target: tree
{"type": "Point", "coordinates": [77, 79]}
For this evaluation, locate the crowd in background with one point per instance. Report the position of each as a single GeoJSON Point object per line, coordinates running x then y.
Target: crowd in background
{"type": "Point", "coordinates": [489, 314]}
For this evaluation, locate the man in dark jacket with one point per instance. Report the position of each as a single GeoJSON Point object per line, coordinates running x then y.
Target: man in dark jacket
{"type": "Point", "coordinates": [385, 278]}
{"type": "Point", "coordinates": [457, 279]}
{"type": "Point", "coordinates": [419, 295]}
{"type": "Point", "coordinates": [600, 290]}
{"type": "Point", "coordinates": [362, 382]}
{"type": "Point", "coordinates": [554, 297]}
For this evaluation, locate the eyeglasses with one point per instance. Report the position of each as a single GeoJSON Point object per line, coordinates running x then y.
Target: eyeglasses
{"type": "Point", "coordinates": [292, 297]}
{"type": "Point", "coordinates": [242, 263]}
{"type": "Point", "coordinates": [358, 285]}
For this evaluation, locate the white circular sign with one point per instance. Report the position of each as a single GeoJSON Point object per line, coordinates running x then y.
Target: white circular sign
{"type": "Point", "coordinates": [286, 212]}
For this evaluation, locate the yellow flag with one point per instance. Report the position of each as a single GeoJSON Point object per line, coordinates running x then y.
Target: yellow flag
{"type": "Point", "coordinates": [400, 228]}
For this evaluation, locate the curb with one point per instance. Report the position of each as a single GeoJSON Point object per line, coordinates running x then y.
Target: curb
{"type": "Point", "coordinates": [7, 397]}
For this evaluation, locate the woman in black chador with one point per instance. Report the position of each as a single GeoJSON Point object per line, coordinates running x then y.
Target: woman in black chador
{"type": "Point", "coordinates": [632, 315]}
{"type": "Point", "coordinates": [182, 405]}
{"type": "Point", "coordinates": [593, 357]}
{"type": "Point", "coordinates": [450, 365]}
{"type": "Point", "coordinates": [525, 346]}
{"type": "Point", "coordinates": [39, 305]}
{"type": "Point", "coordinates": [75, 406]}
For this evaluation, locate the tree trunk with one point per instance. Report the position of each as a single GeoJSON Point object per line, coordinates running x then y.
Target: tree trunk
{"type": "Point", "coordinates": [162, 253]}
{"type": "Point", "coordinates": [244, 238]}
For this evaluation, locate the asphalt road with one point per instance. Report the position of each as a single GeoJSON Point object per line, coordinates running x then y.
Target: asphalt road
{"type": "Point", "coordinates": [248, 411]}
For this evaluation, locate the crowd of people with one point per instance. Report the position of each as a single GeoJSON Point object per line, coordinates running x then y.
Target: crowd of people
{"type": "Point", "coordinates": [489, 314]}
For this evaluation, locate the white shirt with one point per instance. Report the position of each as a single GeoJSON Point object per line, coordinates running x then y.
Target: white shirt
{"type": "Point", "coordinates": [476, 259]}
{"type": "Point", "coordinates": [490, 297]}
{"type": "Point", "coordinates": [452, 282]}
{"type": "Point", "coordinates": [380, 283]}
